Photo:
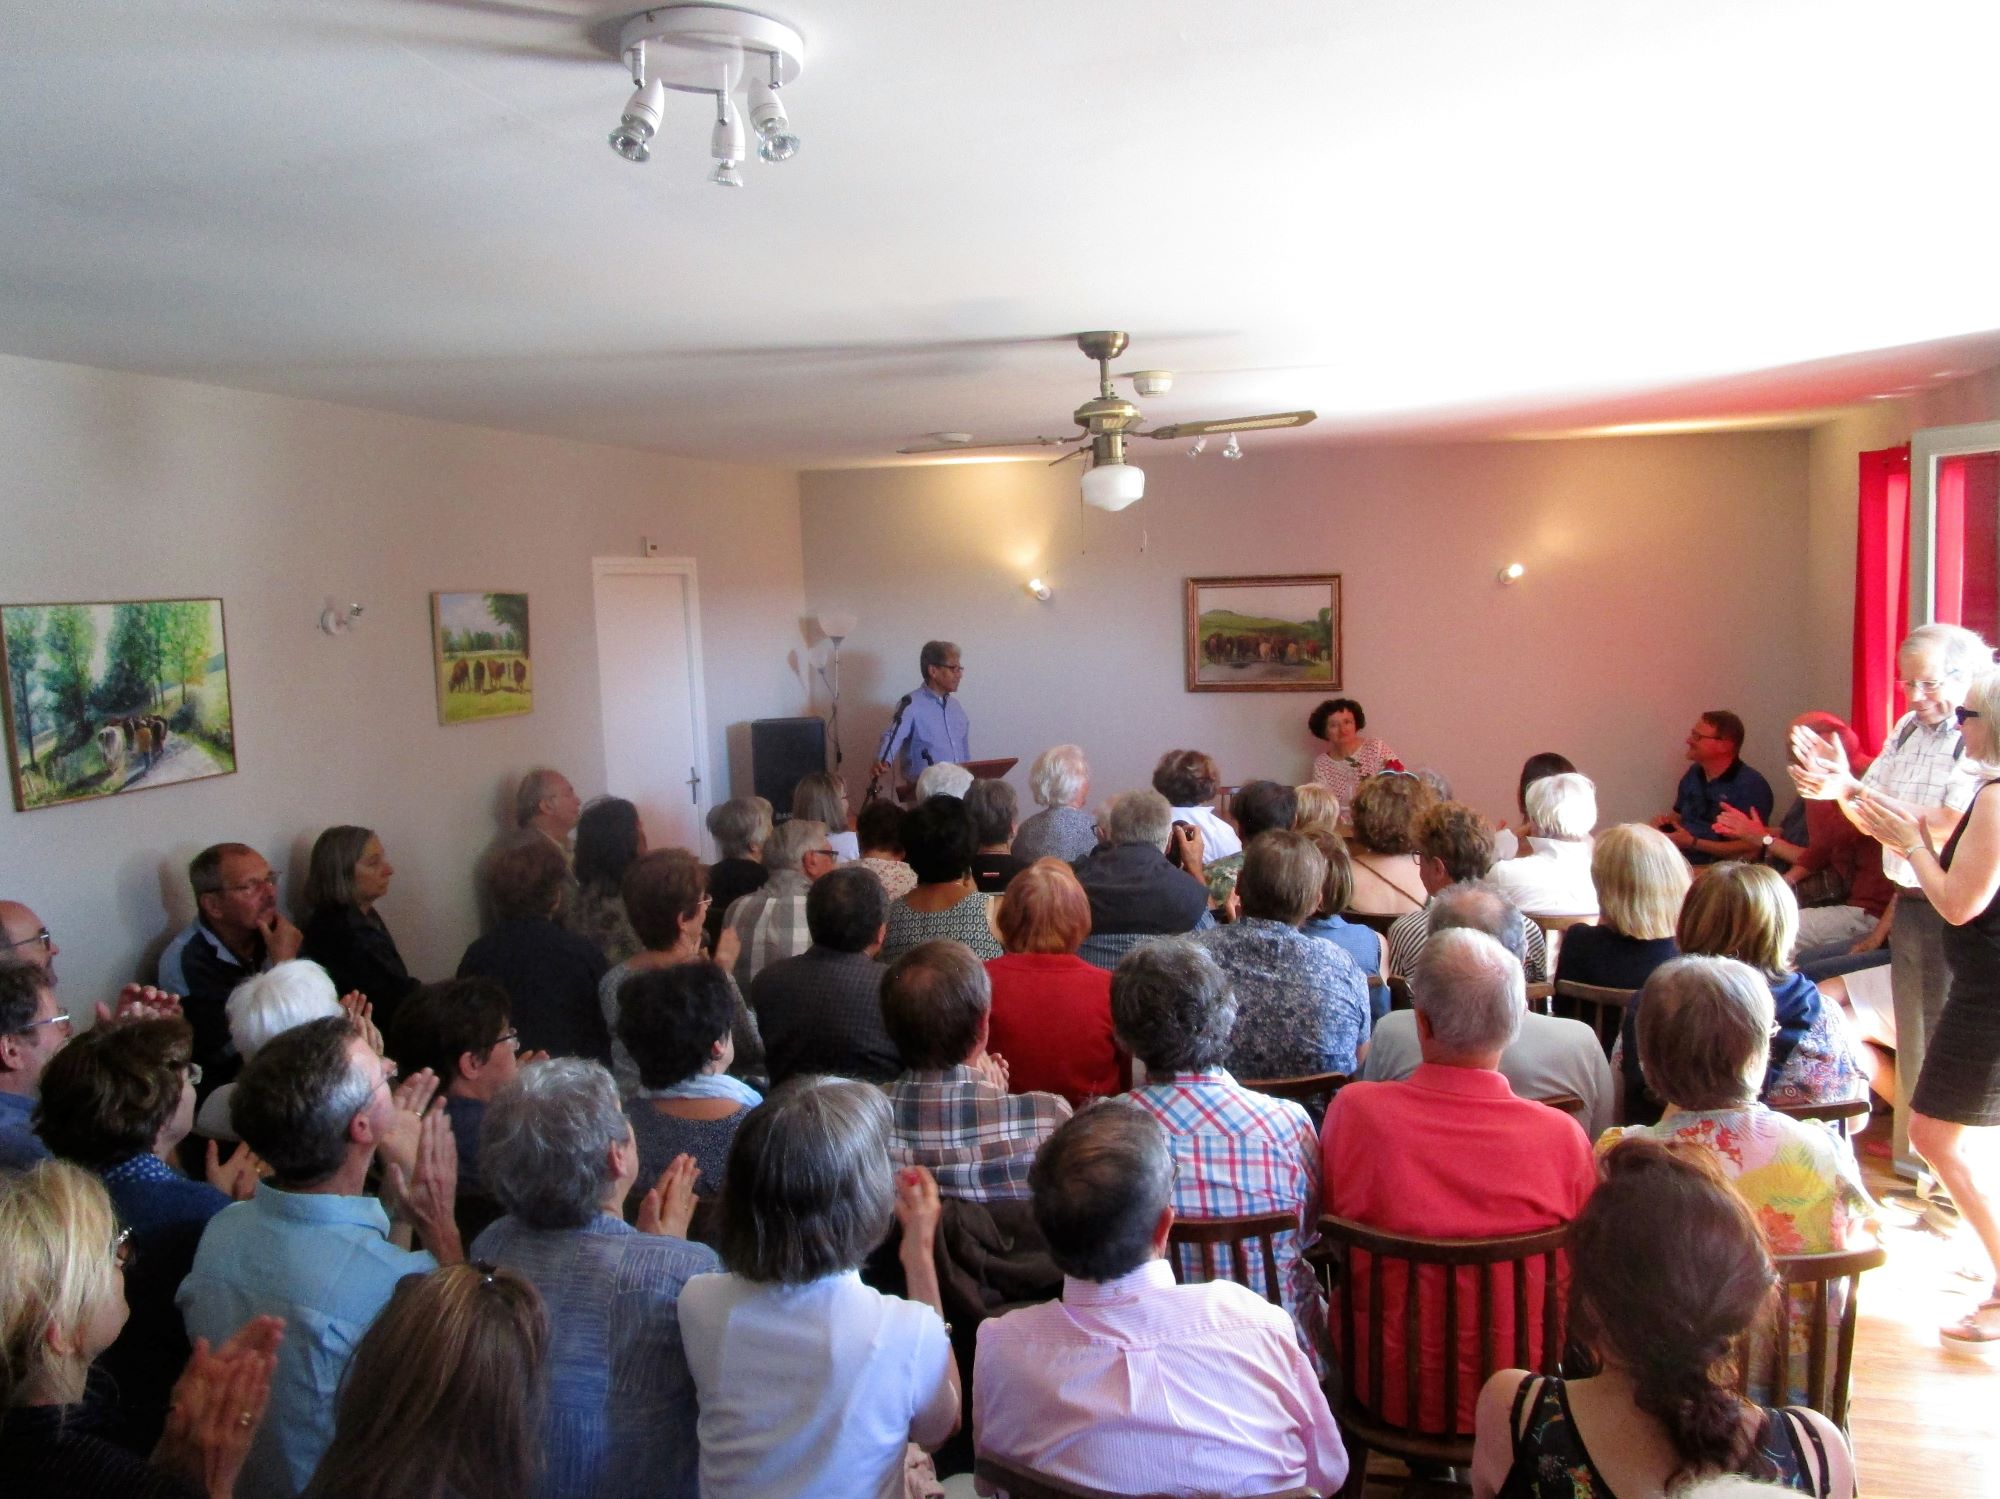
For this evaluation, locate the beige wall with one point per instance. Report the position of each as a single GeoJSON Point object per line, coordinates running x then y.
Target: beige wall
{"type": "Point", "coordinates": [1647, 599]}
{"type": "Point", "coordinates": [123, 486]}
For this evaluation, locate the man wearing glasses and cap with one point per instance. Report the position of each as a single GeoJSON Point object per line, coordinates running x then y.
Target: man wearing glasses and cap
{"type": "Point", "coordinates": [237, 931]}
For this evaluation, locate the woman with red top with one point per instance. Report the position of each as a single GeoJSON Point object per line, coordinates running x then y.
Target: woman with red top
{"type": "Point", "coordinates": [1051, 1009]}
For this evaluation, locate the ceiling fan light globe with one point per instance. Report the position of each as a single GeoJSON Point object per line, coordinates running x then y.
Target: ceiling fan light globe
{"type": "Point", "coordinates": [1113, 486]}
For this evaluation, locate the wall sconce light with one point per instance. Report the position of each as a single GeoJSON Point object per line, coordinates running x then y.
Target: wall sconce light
{"type": "Point", "coordinates": [339, 619]}
{"type": "Point", "coordinates": [1040, 590]}
{"type": "Point", "coordinates": [1511, 573]}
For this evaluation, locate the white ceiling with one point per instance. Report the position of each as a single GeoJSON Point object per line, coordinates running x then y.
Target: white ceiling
{"type": "Point", "coordinates": [1416, 216]}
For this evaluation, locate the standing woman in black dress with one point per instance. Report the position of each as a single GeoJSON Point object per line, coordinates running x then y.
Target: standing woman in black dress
{"type": "Point", "coordinates": [1959, 1088]}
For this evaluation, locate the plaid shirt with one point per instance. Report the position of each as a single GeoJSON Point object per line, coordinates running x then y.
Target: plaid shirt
{"type": "Point", "coordinates": [770, 922]}
{"type": "Point", "coordinates": [1238, 1152]}
{"type": "Point", "coordinates": [1408, 933]}
{"type": "Point", "coordinates": [1926, 768]}
{"type": "Point", "coordinates": [976, 1140]}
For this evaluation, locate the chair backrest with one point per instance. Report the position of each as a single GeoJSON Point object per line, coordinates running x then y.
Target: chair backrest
{"type": "Point", "coordinates": [1558, 924]}
{"type": "Point", "coordinates": [1360, 1325]}
{"type": "Point", "coordinates": [1223, 1247]}
{"type": "Point", "coordinates": [1024, 1483]}
{"type": "Point", "coordinates": [1569, 1103]}
{"type": "Point", "coordinates": [1399, 993]}
{"type": "Point", "coordinates": [1374, 920]}
{"type": "Point", "coordinates": [1307, 1090]}
{"type": "Point", "coordinates": [1602, 1009]}
{"type": "Point", "coordinates": [1104, 949]}
{"type": "Point", "coordinates": [1833, 1283]}
{"type": "Point", "coordinates": [1837, 1111]}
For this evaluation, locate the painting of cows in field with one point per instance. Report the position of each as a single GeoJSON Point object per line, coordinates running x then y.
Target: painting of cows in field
{"type": "Point", "coordinates": [480, 641]}
{"type": "Point", "coordinates": [107, 698]}
{"type": "Point", "coordinates": [1264, 634]}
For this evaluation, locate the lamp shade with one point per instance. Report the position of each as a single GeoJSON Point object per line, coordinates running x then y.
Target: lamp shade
{"type": "Point", "coordinates": [1113, 486]}
{"type": "Point", "coordinates": [836, 625]}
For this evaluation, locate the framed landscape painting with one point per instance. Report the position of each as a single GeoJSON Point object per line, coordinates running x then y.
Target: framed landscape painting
{"type": "Point", "coordinates": [102, 699]}
{"type": "Point", "coordinates": [1264, 634]}
{"type": "Point", "coordinates": [480, 645]}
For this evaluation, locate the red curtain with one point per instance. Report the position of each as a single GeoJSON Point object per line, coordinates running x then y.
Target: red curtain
{"type": "Point", "coordinates": [1881, 591]}
{"type": "Point", "coordinates": [1967, 490]}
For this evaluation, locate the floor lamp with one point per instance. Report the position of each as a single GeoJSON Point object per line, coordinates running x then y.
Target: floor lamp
{"type": "Point", "coordinates": [836, 628]}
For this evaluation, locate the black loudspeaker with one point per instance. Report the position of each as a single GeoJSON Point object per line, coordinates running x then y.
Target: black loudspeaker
{"type": "Point", "coordinates": [783, 752]}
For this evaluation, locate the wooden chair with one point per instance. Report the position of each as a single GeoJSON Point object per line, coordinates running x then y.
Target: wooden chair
{"type": "Point", "coordinates": [1834, 1291]}
{"type": "Point", "coordinates": [1024, 1483]}
{"type": "Point", "coordinates": [1600, 1008]}
{"type": "Point", "coordinates": [1373, 920]}
{"type": "Point", "coordinates": [1308, 1090]}
{"type": "Point", "coordinates": [1399, 993]}
{"type": "Point", "coordinates": [1226, 1239]}
{"type": "Point", "coordinates": [1358, 1403]}
{"type": "Point", "coordinates": [1555, 926]}
{"type": "Point", "coordinates": [1839, 1113]}
{"type": "Point", "coordinates": [1569, 1103]}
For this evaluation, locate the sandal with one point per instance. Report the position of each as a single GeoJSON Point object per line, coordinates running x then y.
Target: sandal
{"type": "Point", "coordinates": [1970, 1329]}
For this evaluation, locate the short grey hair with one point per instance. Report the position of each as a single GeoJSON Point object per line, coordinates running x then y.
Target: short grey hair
{"type": "Point", "coordinates": [1471, 990]}
{"type": "Point", "coordinates": [270, 1003]}
{"type": "Point", "coordinates": [536, 787]}
{"type": "Point", "coordinates": [1474, 905]}
{"type": "Point", "coordinates": [994, 811]}
{"type": "Point", "coordinates": [1059, 775]}
{"type": "Point", "coordinates": [1704, 1032]}
{"type": "Point", "coordinates": [295, 1101]}
{"type": "Point", "coordinates": [1172, 1007]}
{"type": "Point", "coordinates": [943, 779]}
{"type": "Point", "coordinates": [1140, 817]}
{"type": "Point", "coordinates": [1957, 649]}
{"type": "Point", "coordinates": [545, 1145]}
{"type": "Point", "coordinates": [1562, 806]}
{"type": "Point", "coordinates": [739, 825]}
{"type": "Point", "coordinates": [1099, 1185]}
{"type": "Point", "coordinates": [1440, 787]}
{"type": "Point", "coordinates": [936, 653]}
{"type": "Point", "coordinates": [791, 841]}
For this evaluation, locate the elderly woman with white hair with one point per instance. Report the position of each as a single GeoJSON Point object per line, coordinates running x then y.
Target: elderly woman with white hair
{"type": "Point", "coordinates": [1059, 780]}
{"type": "Point", "coordinates": [264, 1005]}
{"type": "Point", "coordinates": [1553, 877]}
{"type": "Point", "coordinates": [557, 1151]}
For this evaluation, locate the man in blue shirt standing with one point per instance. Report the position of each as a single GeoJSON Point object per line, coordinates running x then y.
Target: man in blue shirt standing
{"type": "Point", "coordinates": [1717, 778]}
{"type": "Point", "coordinates": [929, 728]}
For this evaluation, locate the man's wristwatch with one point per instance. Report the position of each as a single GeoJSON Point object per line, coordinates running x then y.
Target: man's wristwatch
{"type": "Point", "coordinates": [1769, 839]}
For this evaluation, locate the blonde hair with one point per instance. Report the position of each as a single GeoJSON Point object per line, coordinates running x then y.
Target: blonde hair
{"type": "Point", "coordinates": [1319, 809]}
{"type": "Point", "coordinates": [1641, 881]}
{"type": "Point", "coordinates": [1387, 810]}
{"type": "Point", "coordinates": [1741, 911]}
{"type": "Point", "coordinates": [56, 1270]}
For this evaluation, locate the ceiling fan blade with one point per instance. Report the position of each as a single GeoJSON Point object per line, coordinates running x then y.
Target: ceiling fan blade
{"type": "Point", "coordinates": [1233, 424]}
{"type": "Point", "coordinates": [973, 447]}
{"type": "Point", "coordinates": [1075, 453]}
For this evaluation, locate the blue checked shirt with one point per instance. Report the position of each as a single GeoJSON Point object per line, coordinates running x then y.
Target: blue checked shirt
{"type": "Point", "coordinates": [976, 1140]}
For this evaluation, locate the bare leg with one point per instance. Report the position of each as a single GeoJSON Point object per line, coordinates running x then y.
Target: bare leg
{"type": "Point", "coordinates": [1877, 1063]}
{"type": "Point", "coordinates": [1961, 1163]}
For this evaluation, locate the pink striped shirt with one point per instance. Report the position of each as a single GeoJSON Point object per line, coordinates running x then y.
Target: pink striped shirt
{"type": "Point", "coordinates": [1141, 1385]}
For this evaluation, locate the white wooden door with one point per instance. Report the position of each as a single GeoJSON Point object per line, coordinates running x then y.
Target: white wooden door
{"type": "Point", "coordinates": [650, 694]}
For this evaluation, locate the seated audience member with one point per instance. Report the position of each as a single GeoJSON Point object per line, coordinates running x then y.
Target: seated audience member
{"type": "Point", "coordinates": [994, 812]}
{"type": "Point", "coordinates": [938, 842]}
{"type": "Point", "coordinates": [32, 1030]}
{"type": "Point", "coordinates": [460, 1031]}
{"type": "Point", "coordinates": [550, 975]}
{"type": "Point", "coordinates": [546, 804]}
{"type": "Point", "coordinates": [1367, 947]}
{"type": "Point", "coordinates": [609, 838]}
{"type": "Point", "coordinates": [262, 1006]}
{"type": "Point", "coordinates": [822, 1011]}
{"type": "Point", "coordinates": [953, 1114]}
{"type": "Point", "coordinates": [770, 922]}
{"type": "Point", "coordinates": [1191, 781]}
{"type": "Point", "coordinates": [1553, 877]}
{"type": "Point", "coordinates": [1453, 1153]}
{"type": "Point", "coordinates": [1716, 778]}
{"type": "Point", "coordinates": [1388, 809]}
{"type": "Point", "coordinates": [1746, 912]}
{"type": "Point", "coordinates": [61, 1305]}
{"type": "Point", "coordinates": [1666, 1271]}
{"type": "Point", "coordinates": [237, 931]}
{"type": "Point", "coordinates": [1319, 811]}
{"type": "Point", "coordinates": [663, 896]}
{"type": "Point", "coordinates": [1257, 807]}
{"type": "Point", "coordinates": [1051, 1014]}
{"type": "Point", "coordinates": [1641, 880]}
{"type": "Point", "coordinates": [620, 1408]}
{"type": "Point", "coordinates": [1228, 1403]}
{"type": "Point", "coordinates": [1455, 847]}
{"type": "Point", "coordinates": [1235, 1151]}
{"type": "Point", "coordinates": [676, 1023]}
{"type": "Point", "coordinates": [1301, 1004]}
{"type": "Point", "coordinates": [1506, 841]}
{"type": "Point", "coordinates": [1704, 1042]}
{"type": "Point", "coordinates": [820, 797]}
{"type": "Point", "coordinates": [24, 938]}
{"type": "Point", "coordinates": [445, 1393]}
{"type": "Point", "coordinates": [810, 1382]}
{"type": "Point", "coordinates": [879, 831]}
{"type": "Point", "coordinates": [344, 933]}
{"type": "Point", "coordinates": [1136, 891]}
{"type": "Point", "coordinates": [1350, 757]}
{"type": "Point", "coordinates": [117, 1101]}
{"type": "Point", "coordinates": [1059, 780]}
{"type": "Point", "coordinates": [739, 827]}
{"type": "Point", "coordinates": [1550, 1057]}
{"type": "Point", "coordinates": [941, 780]}
{"type": "Point", "coordinates": [310, 1247]}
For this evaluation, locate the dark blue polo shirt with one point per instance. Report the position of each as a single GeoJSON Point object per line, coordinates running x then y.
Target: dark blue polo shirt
{"type": "Point", "coordinates": [1697, 799]}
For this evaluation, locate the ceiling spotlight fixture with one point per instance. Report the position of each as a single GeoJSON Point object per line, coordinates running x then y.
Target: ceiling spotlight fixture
{"type": "Point", "coordinates": [1152, 382]}
{"type": "Point", "coordinates": [1198, 447]}
{"type": "Point", "coordinates": [1511, 573]}
{"type": "Point", "coordinates": [1040, 590]}
{"type": "Point", "coordinates": [1232, 449]}
{"type": "Point", "coordinates": [685, 48]}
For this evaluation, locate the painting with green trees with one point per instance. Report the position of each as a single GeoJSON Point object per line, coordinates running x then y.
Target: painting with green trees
{"type": "Point", "coordinates": [105, 698]}
{"type": "Point", "coordinates": [480, 645]}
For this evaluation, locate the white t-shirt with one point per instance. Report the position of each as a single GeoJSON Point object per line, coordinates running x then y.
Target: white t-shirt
{"type": "Point", "coordinates": [1218, 839]}
{"type": "Point", "coordinates": [812, 1389]}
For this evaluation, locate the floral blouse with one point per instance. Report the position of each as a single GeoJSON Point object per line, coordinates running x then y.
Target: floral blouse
{"type": "Point", "coordinates": [1343, 774]}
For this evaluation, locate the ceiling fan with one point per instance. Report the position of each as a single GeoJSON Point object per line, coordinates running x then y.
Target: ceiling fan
{"type": "Point", "coordinates": [1107, 419]}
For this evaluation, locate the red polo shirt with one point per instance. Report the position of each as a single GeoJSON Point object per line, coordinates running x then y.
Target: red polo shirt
{"type": "Point", "coordinates": [1052, 1022]}
{"type": "Point", "coordinates": [1450, 1153]}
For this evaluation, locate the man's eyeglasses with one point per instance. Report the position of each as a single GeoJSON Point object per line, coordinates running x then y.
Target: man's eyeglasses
{"type": "Point", "coordinates": [61, 1018]}
{"type": "Point", "coordinates": [1963, 713]}
{"type": "Point", "coordinates": [1697, 734]}
{"type": "Point", "coordinates": [244, 887]}
{"type": "Point", "coordinates": [1926, 685]}
{"type": "Point", "coordinates": [508, 1038]}
{"type": "Point", "coordinates": [42, 937]}
{"type": "Point", "coordinates": [123, 1250]}
{"type": "Point", "coordinates": [191, 1071]}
